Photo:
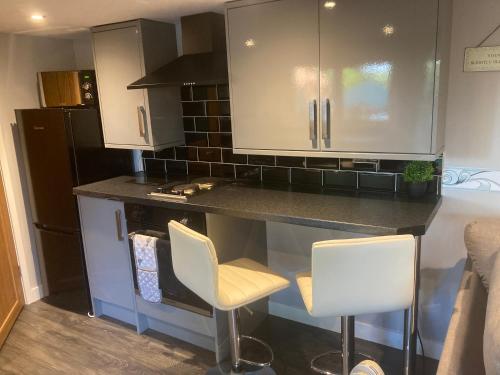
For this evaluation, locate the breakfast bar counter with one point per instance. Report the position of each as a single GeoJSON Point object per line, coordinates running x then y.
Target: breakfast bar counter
{"type": "Point", "coordinates": [357, 212]}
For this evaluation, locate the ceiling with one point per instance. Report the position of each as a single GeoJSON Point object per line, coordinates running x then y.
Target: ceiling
{"type": "Point", "coordinates": [71, 18]}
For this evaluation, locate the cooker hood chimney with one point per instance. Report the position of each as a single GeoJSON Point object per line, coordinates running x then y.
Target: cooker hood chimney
{"type": "Point", "coordinates": [204, 60]}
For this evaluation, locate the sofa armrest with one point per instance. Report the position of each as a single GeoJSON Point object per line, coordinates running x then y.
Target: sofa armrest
{"type": "Point", "coordinates": [463, 346]}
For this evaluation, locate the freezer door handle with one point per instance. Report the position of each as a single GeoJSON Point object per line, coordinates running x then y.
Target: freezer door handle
{"type": "Point", "coordinates": [119, 230]}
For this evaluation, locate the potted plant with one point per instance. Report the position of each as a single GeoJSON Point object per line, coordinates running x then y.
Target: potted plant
{"type": "Point", "coordinates": [417, 175]}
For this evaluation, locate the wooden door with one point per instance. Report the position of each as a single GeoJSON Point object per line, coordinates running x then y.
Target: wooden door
{"type": "Point", "coordinates": [274, 58]}
{"type": "Point", "coordinates": [11, 295]}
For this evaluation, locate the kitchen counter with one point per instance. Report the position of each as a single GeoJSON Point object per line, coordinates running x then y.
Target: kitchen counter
{"type": "Point", "coordinates": [370, 213]}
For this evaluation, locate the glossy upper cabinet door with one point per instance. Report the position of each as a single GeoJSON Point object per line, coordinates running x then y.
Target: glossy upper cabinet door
{"type": "Point", "coordinates": [119, 62]}
{"type": "Point", "coordinates": [273, 57]}
{"type": "Point", "coordinates": [377, 75]}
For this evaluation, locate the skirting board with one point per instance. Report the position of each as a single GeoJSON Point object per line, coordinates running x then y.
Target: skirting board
{"type": "Point", "coordinates": [34, 294]}
{"type": "Point", "coordinates": [364, 331]}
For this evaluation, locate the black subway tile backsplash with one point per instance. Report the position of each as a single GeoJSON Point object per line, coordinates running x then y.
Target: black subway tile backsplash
{"type": "Point", "coordinates": [208, 151]}
{"type": "Point", "coordinates": [198, 168]}
{"type": "Point", "coordinates": [340, 179]}
{"type": "Point", "coordinates": [204, 93]}
{"type": "Point", "coordinates": [155, 167]}
{"type": "Point", "coordinates": [261, 159]}
{"type": "Point", "coordinates": [225, 124]}
{"type": "Point", "coordinates": [218, 108]}
{"type": "Point", "coordinates": [222, 170]}
{"type": "Point", "coordinates": [291, 161]}
{"type": "Point", "coordinates": [223, 91]}
{"type": "Point", "coordinates": [322, 163]}
{"type": "Point", "coordinates": [376, 181]}
{"type": "Point", "coordinates": [276, 175]}
{"type": "Point", "coordinates": [193, 108]}
{"type": "Point", "coordinates": [188, 124]}
{"type": "Point", "coordinates": [186, 93]}
{"type": "Point", "coordinates": [207, 124]}
{"type": "Point", "coordinates": [168, 153]}
{"type": "Point", "coordinates": [229, 157]}
{"type": "Point", "coordinates": [176, 168]}
{"type": "Point", "coordinates": [209, 154]}
{"type": "Point", "coordinates": [196, 139]}
{"type": "Point", "coordinates": [306, 177]}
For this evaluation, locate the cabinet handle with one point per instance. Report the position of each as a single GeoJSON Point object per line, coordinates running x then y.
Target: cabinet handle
{"type": "Point", "coordinates": [118, 219]}
{"type": "Point", "coordinates": [312, 120]}
{"type": "Point", "coordinates": [141, 116]}
{"type": "Point", "coordinates": [325, 127]}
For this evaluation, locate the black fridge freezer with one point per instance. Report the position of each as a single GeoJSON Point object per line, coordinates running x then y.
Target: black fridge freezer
{"type": "Point", "coordinates": [63, 148]}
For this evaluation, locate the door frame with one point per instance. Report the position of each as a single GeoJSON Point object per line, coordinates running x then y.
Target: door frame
{"type": "Point", "coordinates": [6, 229]}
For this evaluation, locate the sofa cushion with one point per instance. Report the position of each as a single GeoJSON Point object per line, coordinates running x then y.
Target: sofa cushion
{"type": "Point", "coordinates": [482, 239]}
{"type": "Point", "coordinates": [491, 338]}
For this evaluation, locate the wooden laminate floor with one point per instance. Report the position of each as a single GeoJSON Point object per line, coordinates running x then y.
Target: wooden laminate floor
{"type": "Point", "coordinates": [49, 339]}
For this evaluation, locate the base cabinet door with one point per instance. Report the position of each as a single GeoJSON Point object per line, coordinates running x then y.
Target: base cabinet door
{"type": "Point", "coordinates": [273, 59]}
{"type": "Point", "coordinates": [104, 233]}
{"type": "Point", "coordinates": [377, 64]}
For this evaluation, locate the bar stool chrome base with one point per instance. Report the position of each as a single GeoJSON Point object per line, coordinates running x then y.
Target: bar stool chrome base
{"type": "Point", "coordinates": [235, 344]}
{"type": "Point", "coordinates": [358, 357]}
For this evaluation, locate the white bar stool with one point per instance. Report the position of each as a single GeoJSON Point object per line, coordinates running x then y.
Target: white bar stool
{"type": "Point", "coordinates": [357, 276]}
{"type": "Point", "coordinates": [226, 286]}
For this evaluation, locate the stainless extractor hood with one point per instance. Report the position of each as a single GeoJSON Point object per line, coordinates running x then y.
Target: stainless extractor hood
{"type": "Point", "coordinates": [204, 59]}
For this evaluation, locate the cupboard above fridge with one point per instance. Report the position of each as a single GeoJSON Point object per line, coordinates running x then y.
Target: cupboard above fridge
{"type": "Point", "coordinates": [346, 78]}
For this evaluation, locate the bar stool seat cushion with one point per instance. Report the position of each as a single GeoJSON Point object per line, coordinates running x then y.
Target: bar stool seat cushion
{"type": "Point", "coordinates": [304, 281]}
{"type": "Point", "coordinates": [243, 281]}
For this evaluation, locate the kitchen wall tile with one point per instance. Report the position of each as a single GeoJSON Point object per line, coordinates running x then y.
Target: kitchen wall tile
{"type": "Point", "coordinates": [218, 108]}
{"type": "Point", "coordinates": [196, 139]}
{"type": "Point", "coordinates": [188, 124]}
{"type": "Point", "coordinates": [207, 124]}
{"type": "Point", "coordinates": [148, 154]}
{"type": "Point", "coordinates": [186, 153]}
{"type": "Point", "coordinates": [193, 108]}
{"type": "Point", "coordinates": [176, 168]}
{"type": "Point", "coordinates": [198, 168]}
{"type": "Point", "coordinates": [229, 157]}
{"type": "Point", "coordinates": [377, 181]}
{"type": "Point", "coordinates": [306, 176]}
{"type": "Point", "coordinates": [220, 140]}
{"type": "Point", "coordinates": [222, 170]}
{"type": "Point", "coordinates": [209, 154]}
{"type": "Point", "coordinates": [395, 166]}
{"type": "Point", "coordinates": [223, 91]}
{"type": "Point", "coordinates": [290, 161]}
{"type": "Point", "coordinates": [155, 167]}
{"type": "Point", "coordinates": [248, 172]}
{"type": "Point", "coordinates": [225, 124]}
{"type": "Point", "coordinates": [204, 93]}
{"type": "Point", "coordinates": [168, 153]}
{"type": "Point", "coordinates": [186, 93]}
{"type": "Point", "coordinates": [322, 163]}
{"type": "Point", "coordinates": [276, 175]}
{"type": "Point", "coordinates": [340, 179]}
{"type": "Point", "coordinates": [261, 159]}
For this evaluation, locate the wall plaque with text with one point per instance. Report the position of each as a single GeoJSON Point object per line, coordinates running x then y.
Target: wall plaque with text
{"type": "Point", "coordinates": [482, 59]}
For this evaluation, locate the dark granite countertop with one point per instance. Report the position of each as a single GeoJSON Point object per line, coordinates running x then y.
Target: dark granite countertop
{"type": "Point", "coordinates": [369, 213]}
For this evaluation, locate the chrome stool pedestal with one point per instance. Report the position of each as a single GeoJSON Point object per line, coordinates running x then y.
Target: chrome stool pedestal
{"type": "Point", "coordinates": [235, 340]}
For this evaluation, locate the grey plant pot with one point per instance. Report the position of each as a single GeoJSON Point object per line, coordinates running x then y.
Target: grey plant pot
{"type": "Point", "coordinates": [417, 189]}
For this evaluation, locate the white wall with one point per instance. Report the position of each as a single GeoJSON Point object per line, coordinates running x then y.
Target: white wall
{"type": "Point", "coordinates": [84, 57]}
{"type": "Point", "coordinates": [20, 58]}
{"type": "Point", "coordinates": [472, 140]}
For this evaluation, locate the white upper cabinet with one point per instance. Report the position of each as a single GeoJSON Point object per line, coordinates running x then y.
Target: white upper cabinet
{"type": "Point", "coordinates": [147, 119]}
{"type": "Point", "coordinates": [273, 56]}
{"type": "Point", "coordinates": [364, 74]}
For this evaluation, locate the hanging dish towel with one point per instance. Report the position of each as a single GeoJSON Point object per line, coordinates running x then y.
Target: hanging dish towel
{"type": "Point", "coordinates": [146, 265]}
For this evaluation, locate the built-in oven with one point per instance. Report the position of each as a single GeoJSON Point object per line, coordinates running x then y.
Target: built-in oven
{"type": "Point", "coordinates": [153, 221]}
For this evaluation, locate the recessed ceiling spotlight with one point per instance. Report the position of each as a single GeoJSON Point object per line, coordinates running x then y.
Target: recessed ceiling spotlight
{"type": "Point", "coordinates": [388, 30]}
{"type": "Point", "coordinates": [37, 17]}
{"type": "Point", "coordinates": [329, 4]}
{"type": "Point", "coordinates": [250, 43]}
